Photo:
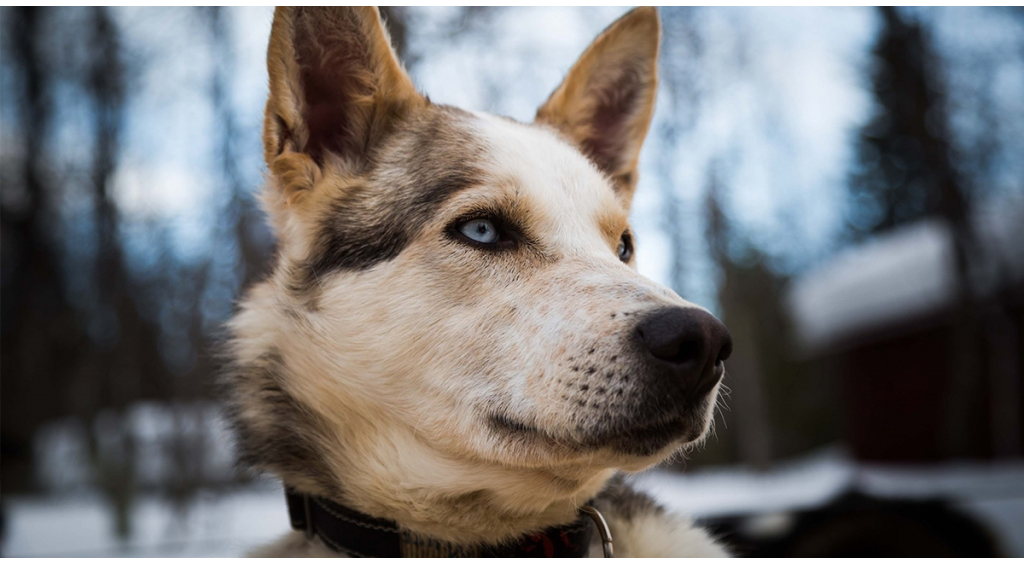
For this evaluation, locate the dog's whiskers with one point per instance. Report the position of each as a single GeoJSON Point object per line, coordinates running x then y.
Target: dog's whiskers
{"type": "Point", "coordinates": [317, 278]}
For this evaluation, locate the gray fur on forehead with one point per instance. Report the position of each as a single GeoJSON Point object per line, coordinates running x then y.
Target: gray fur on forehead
{"type": "Point", "coordinates": [410, 176]}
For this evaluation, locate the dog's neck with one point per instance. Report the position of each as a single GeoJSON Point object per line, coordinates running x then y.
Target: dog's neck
{"type": "Point", "coordinates": [459, 501]}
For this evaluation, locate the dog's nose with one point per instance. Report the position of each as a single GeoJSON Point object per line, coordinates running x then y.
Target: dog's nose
{"type": "Point", "coordinates": [690, 341]}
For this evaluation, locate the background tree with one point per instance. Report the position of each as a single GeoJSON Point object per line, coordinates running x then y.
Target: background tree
{"type": "Point", "coordinates": [905, 169]}
{"type": "Point", "coordinates": [910, 167]}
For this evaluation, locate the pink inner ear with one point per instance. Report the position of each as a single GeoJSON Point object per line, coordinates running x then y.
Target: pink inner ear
{"type": "Point", "coordinates": [334, 70]}
{"type": "Point", "coordinates": [328, 94]}
{"type": "Point", "coordinates": [613, 118]}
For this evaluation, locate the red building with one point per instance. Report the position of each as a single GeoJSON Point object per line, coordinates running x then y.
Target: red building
{"type": "Point", "coordinates": [929, 355]}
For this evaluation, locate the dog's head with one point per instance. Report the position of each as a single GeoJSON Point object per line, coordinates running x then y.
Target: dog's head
{"type": "Point", "coordinates": [456, 288]}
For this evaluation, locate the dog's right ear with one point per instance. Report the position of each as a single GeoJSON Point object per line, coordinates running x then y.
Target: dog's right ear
{"type": "Point", "coordinates": [336, 88]}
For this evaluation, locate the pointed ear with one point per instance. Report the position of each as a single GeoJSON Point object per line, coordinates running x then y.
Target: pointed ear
{"type": "Point", "coordinates": [605, 103]}
{"type": "Point", "coordinates": [336, 87]}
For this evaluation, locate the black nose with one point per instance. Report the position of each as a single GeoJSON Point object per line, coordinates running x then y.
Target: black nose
{"type": "Point", "coordinates": [690, 341]}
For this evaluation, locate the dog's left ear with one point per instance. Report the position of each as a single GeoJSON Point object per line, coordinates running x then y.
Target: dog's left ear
{"type": "Point", "coordinates": [605, 103]}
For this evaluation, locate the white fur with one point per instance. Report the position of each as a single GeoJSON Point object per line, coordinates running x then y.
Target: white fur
{"type": "Point", "coordinates": [660, 536]}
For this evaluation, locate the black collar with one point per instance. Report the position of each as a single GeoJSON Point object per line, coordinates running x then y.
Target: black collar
{"type": "Point", "coordinates": [348, 531]}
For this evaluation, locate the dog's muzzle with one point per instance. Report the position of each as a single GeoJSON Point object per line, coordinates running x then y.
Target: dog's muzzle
{"type": "Point", "coordinates": [679, 355]}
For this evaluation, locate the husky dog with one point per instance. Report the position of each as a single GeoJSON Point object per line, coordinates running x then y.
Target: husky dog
{"type": "Point", "coordinates": [454, 347]}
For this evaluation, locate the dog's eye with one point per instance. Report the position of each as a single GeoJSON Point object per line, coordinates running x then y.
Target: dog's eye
{"type": "Point", "coordinates": [482, 231]}
{"type": "Point", "coordinates": [625, 249]}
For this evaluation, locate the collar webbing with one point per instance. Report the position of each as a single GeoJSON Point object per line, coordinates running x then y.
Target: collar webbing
{"type": "Point", "coordinates": [348, 531]}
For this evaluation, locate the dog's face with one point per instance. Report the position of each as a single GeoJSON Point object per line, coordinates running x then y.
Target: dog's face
{"type": "Point", "coordinates": [460, 284]}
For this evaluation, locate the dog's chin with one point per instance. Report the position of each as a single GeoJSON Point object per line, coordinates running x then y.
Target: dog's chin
{"type": "Point", "coordinates": [647, 439]}
{"type": "Point", "coordinates": [636, 439]}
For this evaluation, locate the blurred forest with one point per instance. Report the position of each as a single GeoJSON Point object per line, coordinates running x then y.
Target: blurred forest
{"type": "Point", "coordinates": [112, 305]}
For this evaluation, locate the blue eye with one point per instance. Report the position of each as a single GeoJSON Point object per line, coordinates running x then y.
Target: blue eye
{"type": "Point", "coordinates": [625, 250]}
{"type": "Point", "coordinates": [482, 231]}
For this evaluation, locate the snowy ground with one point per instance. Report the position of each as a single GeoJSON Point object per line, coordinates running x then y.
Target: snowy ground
{"type": "Point", "coordinates": [991, 492]}
{"type": "Point", "coordinates": [230, 524]}
{"type": "Point", "coordinates": [214, 525]}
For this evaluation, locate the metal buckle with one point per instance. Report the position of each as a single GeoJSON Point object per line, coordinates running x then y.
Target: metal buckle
{"type": "Point", "coordinates": [602, 528]}
{"type": "Point", "coordinates": [309, 518]}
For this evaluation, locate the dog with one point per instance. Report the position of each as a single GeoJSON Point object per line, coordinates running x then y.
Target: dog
{"type": "Point", "coordinates": [454, 353]}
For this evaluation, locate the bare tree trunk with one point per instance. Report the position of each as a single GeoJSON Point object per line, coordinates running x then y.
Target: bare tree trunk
{"type": "Point", "coordinates": [40, 329]}
{"type": "Point", "coordinates": [1005, 379]}
{"type": "Point", "coordinates": [681, 49]}
{"type": "Point", "coordinates": [246, 218]}
{"type": "Point", "coordinates": [745, 374]}
{"type": "Point", "coordinates": [118, 367]}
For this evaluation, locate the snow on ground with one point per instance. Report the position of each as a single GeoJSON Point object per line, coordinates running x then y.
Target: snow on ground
{"type": "Point", "coordinates": [233, 523]}
{"type": "Point", "coordinates": [216, 525]}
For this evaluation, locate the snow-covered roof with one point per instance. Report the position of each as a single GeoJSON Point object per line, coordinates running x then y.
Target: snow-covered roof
{"type": "Point", "coordinates": [904, 274]}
